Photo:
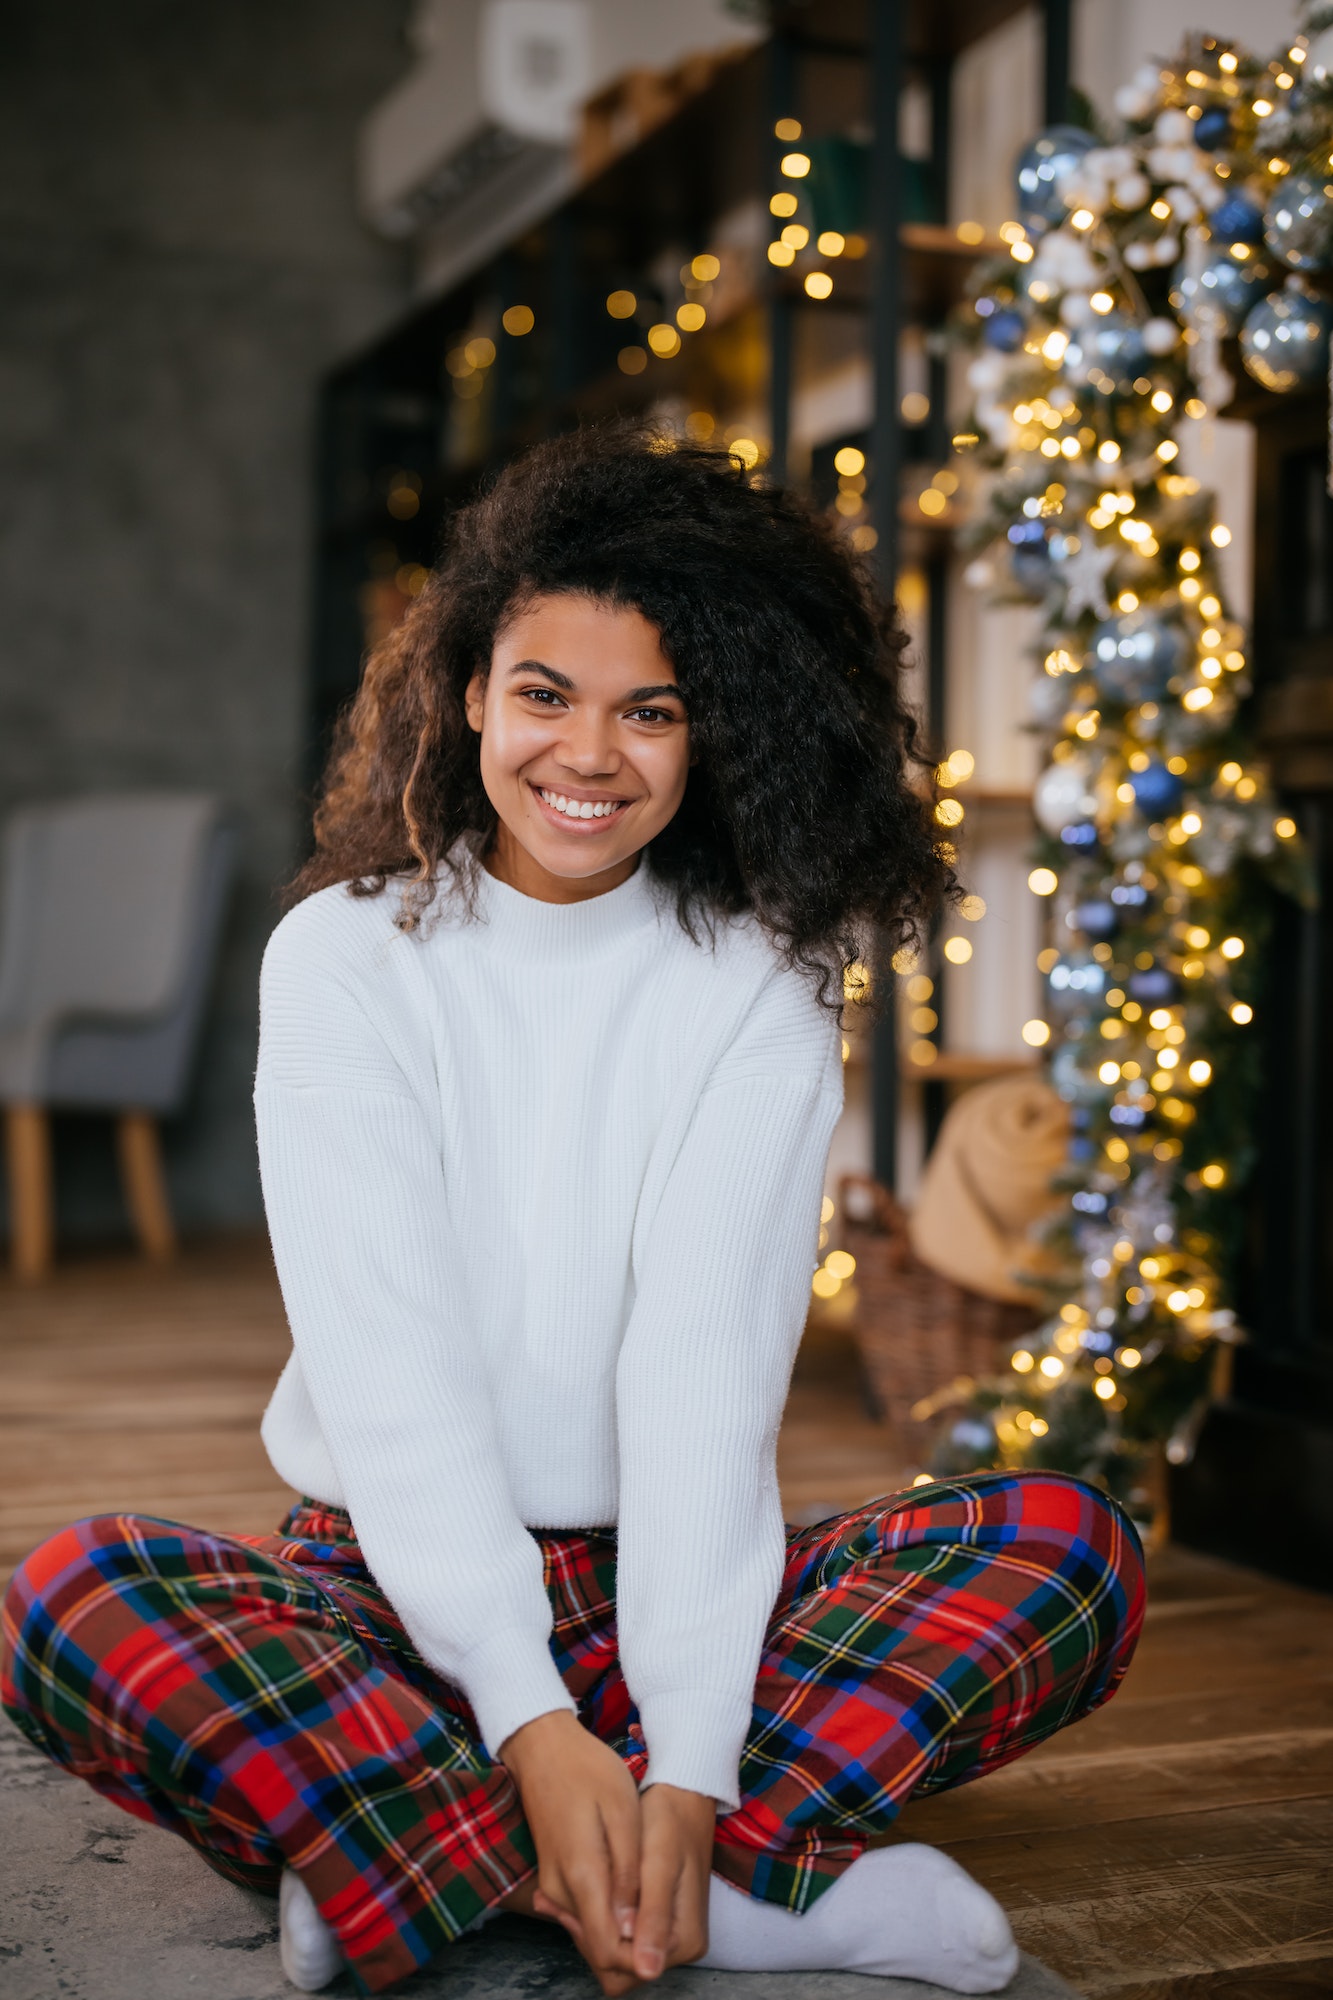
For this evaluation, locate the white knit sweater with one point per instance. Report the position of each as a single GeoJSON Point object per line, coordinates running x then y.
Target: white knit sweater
{"type": "Point", "coordinates": [544, 1197]}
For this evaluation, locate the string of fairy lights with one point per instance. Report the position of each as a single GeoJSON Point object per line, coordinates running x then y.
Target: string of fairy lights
{"type": "Point", "coordinates": [1099, 347]}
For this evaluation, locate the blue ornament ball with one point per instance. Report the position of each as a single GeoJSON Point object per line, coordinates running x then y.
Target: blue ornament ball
{"type": "Point", "coordinates": [1212, 129]}
{"type": "Point", "coordinates": [1154, 986]}
{"type": "Point", "coordinates": [1230, 288]}
{"type": "Point", "coordinates": [1157, 791]}
{"type": "Point", "coordinates": [1236, 220]}
{"type": "Point", "coordinates": [1298, 227]}
{"type": "Point", "coordinates": [1004, 330]}
{"type": "Point", "coordinates": [1284, 341]}
{"type": "Point", "coordinates": [1040, 169]}
{"type": "Point", "coordinates": [1080, 833]}
{"type": "Point", "coordinates": [1030, 557]}
{"type": "Point", "coordinates": [1134, 655]}
{"type": "Point", "coordinates": [1114, 344]}
{"type": "Point", "coordinates": [1098, 919]}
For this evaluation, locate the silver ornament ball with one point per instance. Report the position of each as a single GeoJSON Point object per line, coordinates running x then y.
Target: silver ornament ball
{"type": "Point", "coordinates": [1284, 341]}
{"type": "Point", "coordinates": [1298, 226]}
{"type": "Point", "coordinates": [1222, 289]}
{"type": "Point", "coordinates": [1041, 168]}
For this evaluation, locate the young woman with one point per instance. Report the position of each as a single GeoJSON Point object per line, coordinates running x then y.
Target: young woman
{"type": "Point", "coordinates": [549, 1065]}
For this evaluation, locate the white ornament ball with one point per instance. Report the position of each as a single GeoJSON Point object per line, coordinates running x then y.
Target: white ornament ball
{"type": "Point", "coordinates": [1133, 104]}
{"type": "Point", "coordinates": [979, 575]}
{"type": "Point", "coordinates": [1139, 255]}
{"type": "Point", "coordinates": [1159, 335]}
{"type": "Point", "coordinates": [1166, 249]}
{"type": "Point", "coordinates": [1131, 190]}
{"type": "Point", "coordinates": [1173, 128]}
{"type": "Point", "coordinates": [1062, 795]}
{"type": "Point", "coordinates": [1076, 309]}
{"type": "Point", "coordinates": [987, 372]}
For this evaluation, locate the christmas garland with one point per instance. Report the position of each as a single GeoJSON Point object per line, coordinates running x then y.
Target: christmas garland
{"type": "Point", "coordinates": [1099, 340]}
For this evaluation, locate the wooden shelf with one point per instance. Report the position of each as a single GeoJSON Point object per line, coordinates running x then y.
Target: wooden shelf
{"type": "Point", "coordinates": [995, 799]}
{"type": "Point", "coordinates": [953, 1067]}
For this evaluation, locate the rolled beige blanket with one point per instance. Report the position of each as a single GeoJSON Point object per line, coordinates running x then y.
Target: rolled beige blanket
{"type": "Point", "coordinates": [986, 1181]}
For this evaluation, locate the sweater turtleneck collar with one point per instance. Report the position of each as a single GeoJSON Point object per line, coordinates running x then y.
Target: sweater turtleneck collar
{"type": "Point", "coordinates": [566, 932]}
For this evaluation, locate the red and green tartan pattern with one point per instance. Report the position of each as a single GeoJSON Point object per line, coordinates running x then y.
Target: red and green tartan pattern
{"type": "Point", "coordinates": [259, 1696]}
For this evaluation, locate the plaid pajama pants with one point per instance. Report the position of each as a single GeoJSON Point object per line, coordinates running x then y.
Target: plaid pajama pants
{"type": "Point", "coordinates": [259, 1696]}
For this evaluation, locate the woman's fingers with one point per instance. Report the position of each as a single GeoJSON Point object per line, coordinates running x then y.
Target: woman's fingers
{"type": "Point", "coordinates": [621, 1826]}
{"type": "Point", "coordinates": [589, 1882]}
{"type": "Point", "coordinates": [546, 1906]}
{"type": "Point", "coordinates": [659, 1874]}
{"type": "Point", "coordinates": [678, 1828]}
{"type": "Point", "coordinates": [689, 1937]}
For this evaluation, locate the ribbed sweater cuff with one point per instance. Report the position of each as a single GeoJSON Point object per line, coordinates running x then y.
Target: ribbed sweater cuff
{"type": "Point", "coordinates": [509, 1680]}
{"type": "Point", "coordinates": [695, 1737]}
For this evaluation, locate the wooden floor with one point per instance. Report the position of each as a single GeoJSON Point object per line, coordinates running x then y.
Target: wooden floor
{"type": "Point", "coordinates": [1179, 1844]}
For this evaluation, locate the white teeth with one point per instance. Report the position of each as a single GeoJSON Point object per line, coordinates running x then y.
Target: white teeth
{"type": "Point", "coordinates": [581, 808]}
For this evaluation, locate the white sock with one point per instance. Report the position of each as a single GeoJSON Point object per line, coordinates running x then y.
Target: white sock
{"type": "Point", "coordinates": [311, 1956]}
{"type": "Point", "coordinates": [905, 1912]}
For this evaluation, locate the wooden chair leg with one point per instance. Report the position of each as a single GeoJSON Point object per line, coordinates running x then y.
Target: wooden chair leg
{"type": "Point", "coordinates": [145, 1186]}
{"type": "Point", "coordinates": [31, 1206]}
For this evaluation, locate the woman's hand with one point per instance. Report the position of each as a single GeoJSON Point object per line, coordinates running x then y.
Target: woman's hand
{"type": "Point", "coordinates": [583, 1808]}
{"type": "Point", "coordinates": [627, 1876]}
{"type": "Point", "coordinates": [675, 1857]}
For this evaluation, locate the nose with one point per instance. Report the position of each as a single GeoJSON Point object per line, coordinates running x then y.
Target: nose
{"type": "Point", "coordinates": [588, 746]}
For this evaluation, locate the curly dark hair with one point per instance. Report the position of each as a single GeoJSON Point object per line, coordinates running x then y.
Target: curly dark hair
{"type": "Point", "coordinates": [810, 803]}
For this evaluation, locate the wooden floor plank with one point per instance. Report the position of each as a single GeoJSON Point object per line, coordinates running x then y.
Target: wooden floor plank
{"type": "Point", "coordinates": [1174, 1846]}
{"type": "Point", "coordinates": [1057, 1793]}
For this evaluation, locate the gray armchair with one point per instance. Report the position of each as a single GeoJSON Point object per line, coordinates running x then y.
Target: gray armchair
{"type": "Point", "coordinates": [108, 931]}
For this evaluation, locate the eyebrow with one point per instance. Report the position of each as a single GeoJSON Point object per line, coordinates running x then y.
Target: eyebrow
{"type": "Point", "coordinates": [564, 681]}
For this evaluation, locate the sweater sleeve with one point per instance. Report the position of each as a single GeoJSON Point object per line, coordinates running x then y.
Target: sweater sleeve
{"type": "Point", "coordinates": [720, 1305]}
{"type": "Point", "coordinates": [355, 1198]}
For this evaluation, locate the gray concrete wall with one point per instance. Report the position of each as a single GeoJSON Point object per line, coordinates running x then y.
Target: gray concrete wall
{"type": "Point", "coordinates": [179, 261]}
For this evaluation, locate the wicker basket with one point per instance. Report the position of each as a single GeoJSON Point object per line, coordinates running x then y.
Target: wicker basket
{"type": "Point", "coordinates": [918, 1332]}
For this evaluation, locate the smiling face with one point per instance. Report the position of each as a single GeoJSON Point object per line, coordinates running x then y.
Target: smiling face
{"type": "Point", "coordinates": [585, 745]}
